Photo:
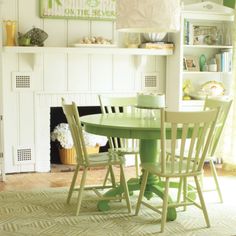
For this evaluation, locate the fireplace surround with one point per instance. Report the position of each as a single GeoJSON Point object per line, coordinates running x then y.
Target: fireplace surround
{"type": "Point", "coordinates": [44, 102]}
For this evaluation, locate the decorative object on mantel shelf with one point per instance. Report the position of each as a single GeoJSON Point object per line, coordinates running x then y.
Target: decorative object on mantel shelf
{"type": "Point", "coordinates": [34, 37]}
{"type": "Point", "coordinates": [94, 42]}
{"type": "Point", "coordinates": [11, 32]}
{"type": "Point", "coordinates": [148, 16]}
{"type": "Point", "coordinates": [154, 37]}
{"type": "Point", "coordinates": [157, 45]}
{"type": "Point", "coordinates": [132, 40]}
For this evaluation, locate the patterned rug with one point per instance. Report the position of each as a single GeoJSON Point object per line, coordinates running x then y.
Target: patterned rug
{"type": "Point", "coordinates": [44, 212]}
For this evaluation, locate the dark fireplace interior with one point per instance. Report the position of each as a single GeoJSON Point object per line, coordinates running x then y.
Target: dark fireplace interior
{"type": "Point", "coordinates": [57, 116]}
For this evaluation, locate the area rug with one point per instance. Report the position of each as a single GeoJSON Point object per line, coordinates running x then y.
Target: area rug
{"type": "Point", "coordinates": [44, 212]}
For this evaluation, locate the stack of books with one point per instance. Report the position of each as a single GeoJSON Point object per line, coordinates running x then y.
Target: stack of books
{"type": "Point", "coordinates": [157, 45]}
{"type": "Point", "coordinates": [224, 61]}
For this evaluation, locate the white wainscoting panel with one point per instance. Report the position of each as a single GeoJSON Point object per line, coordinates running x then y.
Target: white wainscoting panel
{"type": "Point", "coordinates": [101, 72]}
{"type": "Point", "coordinates": [124, 75]}
{"type": "Point", "coordinates": [55, 72]}
{"type": "Point", "coordinates": [78, 72]}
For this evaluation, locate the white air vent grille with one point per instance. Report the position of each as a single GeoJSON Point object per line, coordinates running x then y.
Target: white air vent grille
{"type": "Point", "coordinates": [23, 155]}
{"type": "Point", "coordinates": [150, 82]}
{"type": "Point", "coordinates": [22, 81]}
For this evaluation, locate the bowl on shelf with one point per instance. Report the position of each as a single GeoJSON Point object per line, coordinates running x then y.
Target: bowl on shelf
{"type": "Point", "coordinates": [154, 37]}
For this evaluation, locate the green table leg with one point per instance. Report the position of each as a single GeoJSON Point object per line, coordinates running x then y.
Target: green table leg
{"type": "Point", "coordinates": [148, 153]}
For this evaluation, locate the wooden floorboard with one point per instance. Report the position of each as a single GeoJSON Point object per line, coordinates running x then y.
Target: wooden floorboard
{"type": "Point", "coordinates": [61, 175]}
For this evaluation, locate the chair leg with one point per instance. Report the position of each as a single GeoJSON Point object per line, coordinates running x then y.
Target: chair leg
{"type": "Point", "coordinates": [112, 175]}
{"type": "Point", "coordinates": [3, 177]}
{"type": "Point", "coordinates": [214, 173]}
{"type": "Point", "coordinates": [203, 205]}
{"type": "Point", "coordinates": [141, 193]}
{"type": "Point", "coordinates": [113, 179]}
{"type": "Point", "coordinates": [106, 177]}
{"type": "Point", "coordinates": [136, 165]}
{"type": "Point", "coordinates": [165, 205]}
{"type": "Point", "coordinates": [180, 190]}
{"type": "Point", "coordinates": [81, 189]}
{"type": "Point", "coordinates": [185, 191]}
{"type": "Point", "coordinates": [125, 187]}
{"type": "Point", "coordinates": [72, 185]}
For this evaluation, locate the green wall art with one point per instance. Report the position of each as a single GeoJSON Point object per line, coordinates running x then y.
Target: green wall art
{"type": "Point", "coordinates": [78, 9]}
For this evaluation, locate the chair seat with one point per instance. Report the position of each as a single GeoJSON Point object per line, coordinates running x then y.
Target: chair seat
{"type": "Point", "coordinates": [155, 168]}
{"type": "Point", "coordinates": [208, 158]}
{"type": "Point", "coordinates": [105, 159]}
{"type": "Point", "coordinates": [126, 150]}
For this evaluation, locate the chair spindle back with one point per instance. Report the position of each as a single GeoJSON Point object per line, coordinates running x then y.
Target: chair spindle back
{"type": "Point", "coordinates": [193, 132]}
{"type": "Point", "coordinates": [72, 116]}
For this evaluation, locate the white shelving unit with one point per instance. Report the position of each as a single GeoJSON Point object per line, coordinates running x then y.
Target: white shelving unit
{"type": "Point", "coordinates": [202, 14]}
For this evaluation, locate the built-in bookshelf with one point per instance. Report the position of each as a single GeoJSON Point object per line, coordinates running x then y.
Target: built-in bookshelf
{"type": "Point", "coordinates": [204, 56]}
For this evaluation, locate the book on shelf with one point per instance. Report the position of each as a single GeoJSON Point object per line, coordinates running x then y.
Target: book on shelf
{"type": "Point", "coordinates": [224, 60]}
{"type": "Point", "coordinates": [188, 32]}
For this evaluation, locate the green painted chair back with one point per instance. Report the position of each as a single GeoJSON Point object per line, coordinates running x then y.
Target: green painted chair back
{"type": "Point", "coordinates": [224, 106]}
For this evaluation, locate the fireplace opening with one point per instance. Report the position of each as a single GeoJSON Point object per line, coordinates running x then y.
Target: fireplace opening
{"type": "Point", "coordinates": [57, 116]}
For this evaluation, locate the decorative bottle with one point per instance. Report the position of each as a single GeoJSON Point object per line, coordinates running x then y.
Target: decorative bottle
{"type": "Point", "coordinates": [11, 33]}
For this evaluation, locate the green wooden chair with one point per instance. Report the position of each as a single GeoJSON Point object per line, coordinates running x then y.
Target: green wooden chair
{"type": "Point", "coordinates": [197, 127]}
{"type": "Point", "coordinates": [224, 106]}
{"type": "Point", "coordinates": [85, 162]}
{"type": "Point", "coordinates": [111, 104]}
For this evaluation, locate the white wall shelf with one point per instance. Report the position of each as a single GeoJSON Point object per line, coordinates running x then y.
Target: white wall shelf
{"type": "Point", "coordinates": [208, 46]}
{"type": "Point", "coordinates": [204, 73]}
{"type": "Point", "coordinates": [90, 50]}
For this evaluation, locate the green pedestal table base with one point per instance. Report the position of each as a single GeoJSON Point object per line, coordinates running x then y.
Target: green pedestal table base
{"type": "Point", "coordinates": [134, 185]}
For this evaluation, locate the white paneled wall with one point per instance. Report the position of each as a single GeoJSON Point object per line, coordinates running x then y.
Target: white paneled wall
{"type": "Point", "coordinates": [81, 77]}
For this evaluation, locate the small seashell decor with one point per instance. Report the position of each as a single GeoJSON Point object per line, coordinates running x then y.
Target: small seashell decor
{"type": "Point", "coordinates": [95, 40]}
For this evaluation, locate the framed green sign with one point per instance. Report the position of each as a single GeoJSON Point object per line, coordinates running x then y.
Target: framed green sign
{"type": "Point", "coordinates": [78, 9]}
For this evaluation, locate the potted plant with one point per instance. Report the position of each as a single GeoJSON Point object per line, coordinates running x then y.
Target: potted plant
{"type": "Point", "coordinates": [61, 134]}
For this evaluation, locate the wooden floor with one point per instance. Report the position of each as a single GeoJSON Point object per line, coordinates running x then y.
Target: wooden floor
{"type": "Point", "coordinates": [61, 175]}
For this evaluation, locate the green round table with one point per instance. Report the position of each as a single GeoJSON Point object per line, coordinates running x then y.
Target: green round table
{"type": "Point", "coordinates": [132, 126]}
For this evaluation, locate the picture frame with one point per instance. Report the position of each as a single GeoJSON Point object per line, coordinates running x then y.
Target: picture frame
{"type": "Point", "coordinates": [192, 63]}
{"type": "Point", "coordinates": [204, 34]}
{"type": "Point", "coordinates": [104, 10]}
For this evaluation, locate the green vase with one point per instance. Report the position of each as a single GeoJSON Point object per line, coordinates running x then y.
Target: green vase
{"type": "Point", "coordinates": [202, 62]}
